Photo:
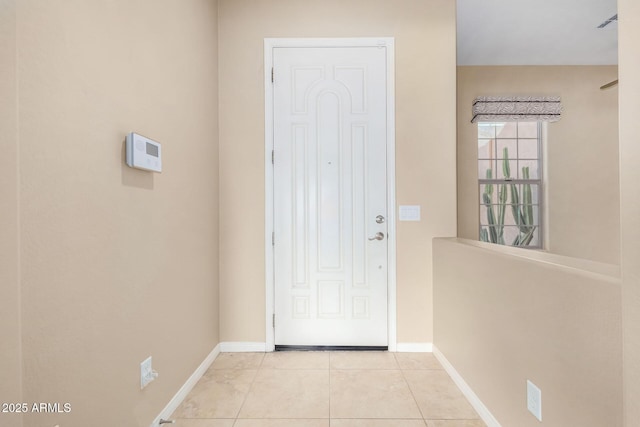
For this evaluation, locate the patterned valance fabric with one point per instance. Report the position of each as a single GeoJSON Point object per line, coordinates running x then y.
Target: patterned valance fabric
{"type": "Point", "coordinates": [509, 109]}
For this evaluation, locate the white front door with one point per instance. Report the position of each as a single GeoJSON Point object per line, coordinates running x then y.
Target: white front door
{"type": "Point", "coordinates": [330, 196]}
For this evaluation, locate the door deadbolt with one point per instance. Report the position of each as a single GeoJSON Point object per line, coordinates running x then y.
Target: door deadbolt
{"type": "Point", "coordinates": [380, 219]}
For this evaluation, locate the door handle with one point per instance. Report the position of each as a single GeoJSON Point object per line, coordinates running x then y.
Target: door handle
{"type": "Point", "coordinates": [379, 236]}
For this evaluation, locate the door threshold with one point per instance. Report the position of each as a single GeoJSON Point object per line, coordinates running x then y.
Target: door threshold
{"type": "Point", "coordinates": [330, 348]}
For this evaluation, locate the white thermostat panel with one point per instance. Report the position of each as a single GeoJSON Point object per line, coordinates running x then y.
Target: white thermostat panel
{"type": "Point", "coordinates": [143, 153]}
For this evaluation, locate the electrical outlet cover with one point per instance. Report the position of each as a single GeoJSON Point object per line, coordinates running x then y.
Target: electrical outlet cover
{"type": "Point", "coordinates": [534, 400]}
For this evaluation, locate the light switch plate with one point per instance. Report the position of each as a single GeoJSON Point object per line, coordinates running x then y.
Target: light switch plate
{"type": "Point", "coordinates": [409, 213]}
{"type": "Point", "coordinates": [534, 400]}
{"type": "Point", "coordinates": [146, 372]}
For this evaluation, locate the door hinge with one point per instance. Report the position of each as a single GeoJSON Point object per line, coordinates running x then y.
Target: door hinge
{"type": "Point", "coordinates": [273, 157]}
{"type": "Point", "coordinates": [272, 75]}
{"type": "Point", "coordinates": [274, 320]}
{"type": "Point", "coordinates": [273, 238]}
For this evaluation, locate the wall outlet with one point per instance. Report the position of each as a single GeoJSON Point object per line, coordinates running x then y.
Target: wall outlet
{"type": "Point", "coordinates": [147, 374]}
{"type": "Point", "coordinates": [534, 400]}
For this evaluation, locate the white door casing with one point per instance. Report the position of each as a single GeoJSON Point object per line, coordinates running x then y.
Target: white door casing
{"type": "Point", "coordinates": [330, 192]}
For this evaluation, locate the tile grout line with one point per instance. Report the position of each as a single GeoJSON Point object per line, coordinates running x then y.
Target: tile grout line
{"type": "Point", "coordinates": [428, 421]}
{"type": "Point", "coordinates": [330, 354]}
{"type": "Point", "coordinates": [411, 391]}
{"type": "Point", "coordinates": [244, 400]}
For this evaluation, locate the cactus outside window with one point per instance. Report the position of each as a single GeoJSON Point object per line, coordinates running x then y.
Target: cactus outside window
{"type": "Point", "coordinates": [510, 186]}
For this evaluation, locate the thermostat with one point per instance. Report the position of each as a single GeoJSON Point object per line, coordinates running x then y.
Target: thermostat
{"type": "Point", "coordinates": [143, 153]}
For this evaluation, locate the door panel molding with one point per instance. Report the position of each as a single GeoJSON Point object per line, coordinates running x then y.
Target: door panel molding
{"type": "Point", "coordinates": [269, 45]}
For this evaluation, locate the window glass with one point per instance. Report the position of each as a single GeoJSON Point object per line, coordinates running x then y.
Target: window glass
{"type": "Point", "coordinates": [509, 176]}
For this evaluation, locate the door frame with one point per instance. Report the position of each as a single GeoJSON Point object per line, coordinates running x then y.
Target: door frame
{"type": "Point", "coordinates": [269, 45]}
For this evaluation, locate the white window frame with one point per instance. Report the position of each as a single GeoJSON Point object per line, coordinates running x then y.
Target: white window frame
{"type": "Point", "coordinates": [540, 182]}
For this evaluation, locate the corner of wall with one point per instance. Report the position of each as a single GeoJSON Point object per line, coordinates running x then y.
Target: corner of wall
{"type": "Point", "coordinates": [629, 87]}
{"type": "Point", "coordinates": [10, 312]}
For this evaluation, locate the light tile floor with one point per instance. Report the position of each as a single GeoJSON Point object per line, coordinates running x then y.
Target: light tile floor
{"type": "Point", "coordinates": [326, 389]}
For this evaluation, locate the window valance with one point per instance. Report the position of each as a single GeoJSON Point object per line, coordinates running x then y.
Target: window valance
{"type": "Point", "coordinates": [509, 109]}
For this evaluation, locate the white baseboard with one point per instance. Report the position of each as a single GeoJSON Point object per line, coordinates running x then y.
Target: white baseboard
{"type": "Point", "coordinates": [243, 347]}
{"type": "Point", "coordinates": [414, 347]}
{"type": "Point", "coordinates": [475, 401]}
{"type": "Point", "coordinates": [187, 387]}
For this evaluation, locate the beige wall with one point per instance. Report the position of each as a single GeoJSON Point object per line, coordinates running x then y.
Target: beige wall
{"type": "Point", "coordinates": [629, 34]}
{"type": "Point", "coordinates": [117, 264]}
{"type": "Point", "coordinates": [424, 33]}
{"type": "Point", "coordinates": [582, 154]}
{"type": "Point", "coordinates": [10, 344]}
{"type": "Point", "coordinates": [550, 319]}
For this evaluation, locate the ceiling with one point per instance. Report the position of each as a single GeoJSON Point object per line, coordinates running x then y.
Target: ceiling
{"type": "Point", "coordinates": [536, 32]}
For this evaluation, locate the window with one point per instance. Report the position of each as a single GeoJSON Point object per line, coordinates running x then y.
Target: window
{"type": "Point", "coordinates": [509, 177]}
